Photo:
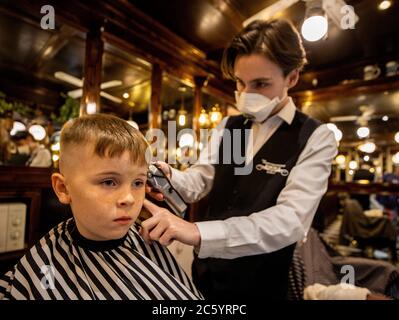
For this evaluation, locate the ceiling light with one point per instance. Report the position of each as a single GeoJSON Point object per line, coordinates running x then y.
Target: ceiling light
{"type": "Point", "coordinates": [17, 126]}
{"type": "Point", "coordinates": [397, 137]}
{"type": "Point", "coordinates": [186, 140]}
{"type": "Point", "coordinates": [91, 108]}
{"type": "Point", "coordinates": [215, 115]}
{"type": "Point", "coordinates": [55, 147]}
{"type": "Point", "coordinates": [315, 25]}
{"type": "Point", "coordinates": [314, 28]}
{"type": "Point", "coordinates": [385, 118]}
{"type": "Point", "coordinates": [340, 159]}
{"type": "Point", "coordinates": [368, 147]}
{"type": "Point", "coordinates": [395, 158]}
{"type": "Point", "coordinates": [363, 132]}
{"type": "Point", "coordinates": [181, 119]}
{"type": "Point", "coordinates": [203, 118]}
{"type": "Point", "coordinates": [125, 95]}
{"type": "Point", "coordinates": [353, 165]}
{"type": "Point", "coordinates": [38, 132]}
{"type": "Point", "coordinates": [366, 158]}
{"type": "Point", "coordinates": [384, 5]}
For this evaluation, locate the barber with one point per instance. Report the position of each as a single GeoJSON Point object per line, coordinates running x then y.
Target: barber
{"type": "Point", "coordinates": [244, 241]}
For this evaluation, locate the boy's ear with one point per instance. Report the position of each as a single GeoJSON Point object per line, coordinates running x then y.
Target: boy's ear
{"type": "Point", "coordinates": [60, 189]}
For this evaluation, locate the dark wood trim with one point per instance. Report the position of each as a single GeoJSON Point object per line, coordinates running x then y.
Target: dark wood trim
{"type": "Point", "coordinates": [25, 177]}
{"type": "Point", "coordinates": [25, 183]}
{"type": "Point", "coordinates": [53, 45]}
{"type": "Point", "coordinates": [384, 140]}
{"type": "Point", "coordinates": [24, 14]}
{"type": "Point", "coordinates": [92, 69]}
{"type": "Point", "coordinates": [228, 9]}
{"type": "Point", "coordinates": [221, 89]}
{"type": "Point", "coordinates": [199, 83]}
{"type": "Point", "coordinates": [34, 210]}
{"type": "Point", "coordinates": [354, 187]}
{"type": "Point", "coordinates": [155, 109]}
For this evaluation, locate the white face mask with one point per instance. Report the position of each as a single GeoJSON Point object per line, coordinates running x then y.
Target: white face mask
{"type": "Point", "coordinates": [255, 106]}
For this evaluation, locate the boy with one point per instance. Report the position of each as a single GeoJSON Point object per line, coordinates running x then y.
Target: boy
{"type": "Point", "coordinates": [98, 254]}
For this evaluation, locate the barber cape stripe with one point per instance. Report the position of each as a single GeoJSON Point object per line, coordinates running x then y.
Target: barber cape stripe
{"type": "Point", "coordinates": [58, 269]}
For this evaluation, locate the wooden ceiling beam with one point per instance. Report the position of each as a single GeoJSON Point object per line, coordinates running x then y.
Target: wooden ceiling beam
{"type": "Point", "coordinates": [350, 89]}
{"type": "Point", "coordinates": [22, 15]}
{"type": "Point", "coordinates": [228, 9]}
{"type": "Point", "coordinates": [135, 32]}
{"type": "Point", "coordinates": [54, 44]}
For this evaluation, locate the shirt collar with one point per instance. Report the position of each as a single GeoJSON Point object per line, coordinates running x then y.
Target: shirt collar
{"type": "Point", "coordinates": [288, 112]}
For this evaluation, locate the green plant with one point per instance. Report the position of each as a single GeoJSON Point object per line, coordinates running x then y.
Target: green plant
{"type": "Point", "coordinates": [10, 106]}
{"type": "Point", "coordinates": [69, 110]}
{"type": "Point", "coordinates": [4, 105]}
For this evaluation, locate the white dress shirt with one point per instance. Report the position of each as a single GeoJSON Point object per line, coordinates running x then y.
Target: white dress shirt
{"type": "Point", "coordinates": [41, 157]}
{"type": "Point", "coordinates": [276, 227]}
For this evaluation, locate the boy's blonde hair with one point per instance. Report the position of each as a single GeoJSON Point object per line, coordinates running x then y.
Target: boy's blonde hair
{"type": "Point", "coordinates": [110, 136]}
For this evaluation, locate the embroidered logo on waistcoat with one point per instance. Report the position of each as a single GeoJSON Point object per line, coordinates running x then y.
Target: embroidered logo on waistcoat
{"type": "Point", "coordinates": [272, 168]}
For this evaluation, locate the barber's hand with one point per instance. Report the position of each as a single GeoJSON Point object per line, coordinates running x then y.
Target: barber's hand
{"type": "Point", "coordinates": [166, 170]}
{"type": "Point", "coordinates": [165, 227]}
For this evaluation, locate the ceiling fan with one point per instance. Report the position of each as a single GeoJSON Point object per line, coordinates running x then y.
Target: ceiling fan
{"type": "Point", "coordinates": [79, 83]}
{"type": "Point", "coordinates": [333, 9]}
{"type": "Point", "coordinates": [367, 113]}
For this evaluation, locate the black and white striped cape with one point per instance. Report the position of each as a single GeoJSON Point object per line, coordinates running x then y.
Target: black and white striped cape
{"type": "Point", "coordinates": [61, 266]}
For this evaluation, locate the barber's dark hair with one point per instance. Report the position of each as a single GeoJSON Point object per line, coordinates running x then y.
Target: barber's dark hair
{"type": "Point", "coordinates": [277, 40]}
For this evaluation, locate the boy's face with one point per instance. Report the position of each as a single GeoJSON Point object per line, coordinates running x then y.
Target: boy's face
{"type": "Point", "coordinates": [105, 194]}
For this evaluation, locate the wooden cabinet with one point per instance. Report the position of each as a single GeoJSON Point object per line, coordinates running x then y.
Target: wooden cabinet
{"type": "Point", "coordinates": [29, 186]}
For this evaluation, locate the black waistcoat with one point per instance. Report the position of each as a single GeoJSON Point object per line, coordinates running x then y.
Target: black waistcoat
{"type": "Point", "coordinates": [240, 195]}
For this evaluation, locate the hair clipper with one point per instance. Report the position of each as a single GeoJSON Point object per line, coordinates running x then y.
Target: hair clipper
{"type": "Point", "coordinates": [160, 183]}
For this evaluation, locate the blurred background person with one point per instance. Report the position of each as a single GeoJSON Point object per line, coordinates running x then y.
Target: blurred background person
{"type": "Point", "coordinates": [30, 152]}
{"type": "Point", "coordinates": [5, 128]}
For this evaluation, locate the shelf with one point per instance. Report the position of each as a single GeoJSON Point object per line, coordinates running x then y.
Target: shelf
{"type": "Point", "coordinates": [350, 88]}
